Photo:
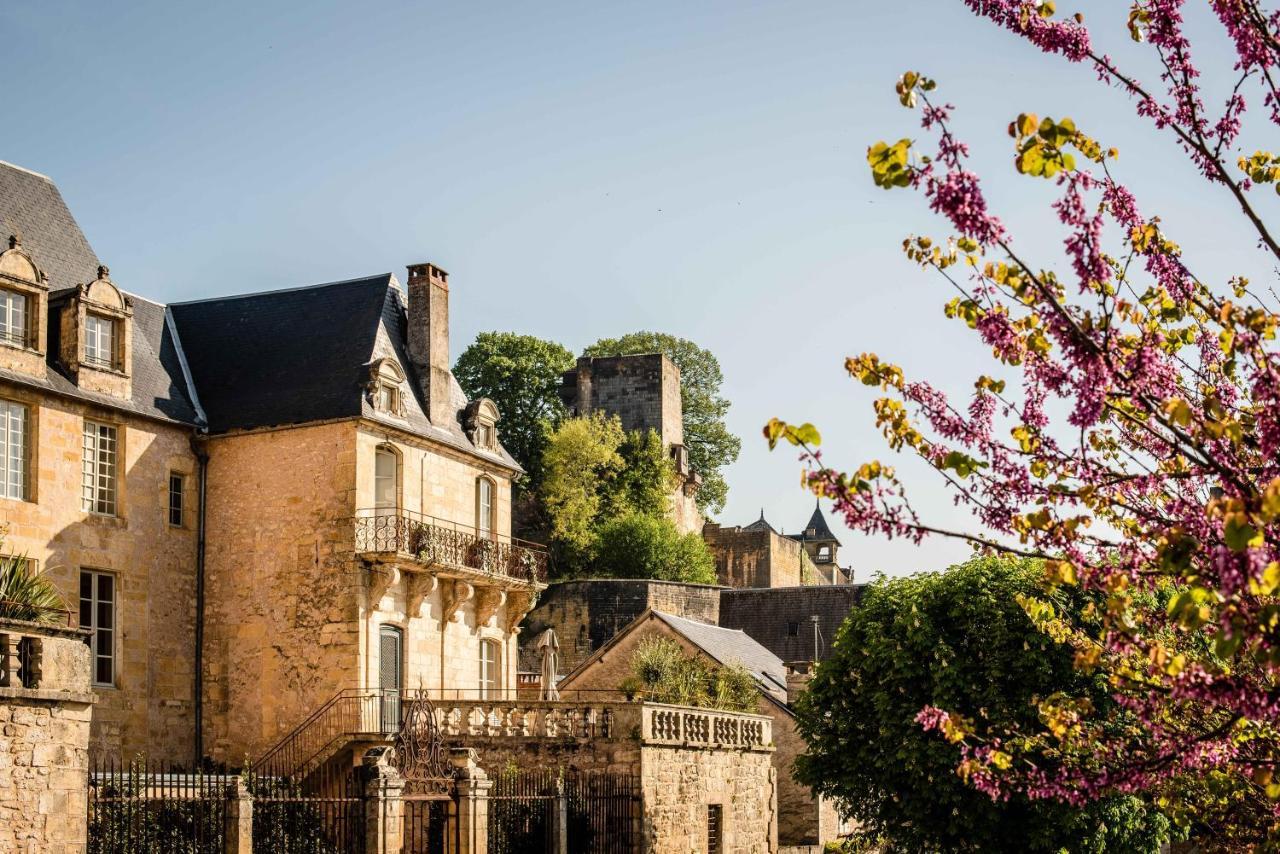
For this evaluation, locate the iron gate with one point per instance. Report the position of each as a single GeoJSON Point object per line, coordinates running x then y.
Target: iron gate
{"type": "Point", "coordinates": [598, 811]}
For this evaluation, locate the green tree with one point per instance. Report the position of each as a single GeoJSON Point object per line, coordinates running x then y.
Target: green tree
{"type": "Point", "coordinates": [581, 457]}
{"type": "Point", "coordinates": [958, 640]}
{"type": "Point", "coordinates": [521, 374]}
{"type": "Point", "coordinates": [711, 446]}
{"type": "Point", "coordinates": [637, 545]}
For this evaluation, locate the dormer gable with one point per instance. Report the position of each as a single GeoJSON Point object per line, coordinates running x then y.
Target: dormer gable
{"type": "Point", "coordinates": [96, 336]}
{"type": "Point", "coordinates": [480, 422]}
{"type": "Point", "coordinates": [386, 387]}
{"type": "Point", "coordinates": [24, 308]}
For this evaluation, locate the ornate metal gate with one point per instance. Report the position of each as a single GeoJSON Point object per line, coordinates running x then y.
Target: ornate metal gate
{"type": "Point", "coordinates": [430, 814]}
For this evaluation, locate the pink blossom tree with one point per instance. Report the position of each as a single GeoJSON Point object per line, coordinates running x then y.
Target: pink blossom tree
{"type": "Point", "coordinates": [1158, 488]}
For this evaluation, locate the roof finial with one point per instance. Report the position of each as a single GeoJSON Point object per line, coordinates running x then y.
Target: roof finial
{"type": "Point", "coordinates": [761, 514]}
{"type": "Point", "coordinates": [15, 240]}
{"type": "Point", "coordinates": [103, 272]}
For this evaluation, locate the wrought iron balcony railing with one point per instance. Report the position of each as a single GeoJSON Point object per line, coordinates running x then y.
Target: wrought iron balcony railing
{"type": "Point", "coordinates": [437, 542]}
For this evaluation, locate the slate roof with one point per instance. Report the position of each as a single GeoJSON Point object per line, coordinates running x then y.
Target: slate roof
{"type": "Point", "coordinates": [255, 360]}
{"type": "Point", "coordinates": [30, 205]}
{"type": "Point", "coordinates": [760, 524]}
{"type": "Point", "coordinates": [822, 531]}
{"type": "Point", "coordinates": [733, 646]}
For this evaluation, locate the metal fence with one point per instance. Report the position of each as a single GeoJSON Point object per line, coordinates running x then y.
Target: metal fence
{"type": "Point", "coordinates": [564, 812]}
{"type": "Point", "coordinates": [137, 808]}
{"type": "Point", "coordinates": [321, 813]}
{"type": "Point", "coordinates": [427, 826]}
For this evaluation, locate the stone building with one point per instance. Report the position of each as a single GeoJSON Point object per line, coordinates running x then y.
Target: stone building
{"type": "Point", "coordinates": [588, 614]}
{"type": "Point", "coordinates": [758, 555]}
{"type": "Point", "coordinates": [644, 392]}
{"type": "Point", "coordinates": [257, 502]}
{"type": "Point", "coordinates": [804, 819]}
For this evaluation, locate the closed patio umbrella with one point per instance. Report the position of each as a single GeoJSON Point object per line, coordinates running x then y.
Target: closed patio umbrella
{"type": "Point", "coordinates": [549, 646]}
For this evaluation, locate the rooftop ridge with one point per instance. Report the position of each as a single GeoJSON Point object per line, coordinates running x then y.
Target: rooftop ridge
{"type": "Point", "coordinates": [25, 169]}
{"type": "Point", "coordinates": [294, 289]}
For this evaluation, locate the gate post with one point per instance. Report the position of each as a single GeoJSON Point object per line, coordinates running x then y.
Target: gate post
{"type": "Point", "coordinates": [238, 837]}
{"type": "Point", "coordinates": [383, 804]}
{"type": "Point", "coordinates": [560, 819]}
{"type": "Point", "coordinates": [473, 786]}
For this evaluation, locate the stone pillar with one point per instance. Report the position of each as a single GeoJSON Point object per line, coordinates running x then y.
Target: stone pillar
{"type": "Point", "coordinates": [239, 833]}
{"type": "Point", "coordinates": [560, 821]}
{"type": "Point", "coordinates": [472, 813]}
{"type": "Point", "coordinates": [383, 804]}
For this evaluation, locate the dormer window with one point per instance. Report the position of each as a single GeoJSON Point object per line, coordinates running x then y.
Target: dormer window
{"type": "Point", "coordinates": [480, 420]}
{"type": "Point", "coordinates": [100, 341]}
{"type": "Point", "coordinates": [24, 309]}
{"type": "Point", "coordinates": [386, 387]}
{"type": "Point", "coordinates": [13, 318]}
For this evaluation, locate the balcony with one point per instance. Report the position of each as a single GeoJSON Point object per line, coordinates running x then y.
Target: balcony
{"type": "Point", "coordinates": [412, 542]}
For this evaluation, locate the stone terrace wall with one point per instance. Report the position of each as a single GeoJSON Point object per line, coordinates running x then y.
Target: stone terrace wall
{"type": "Point", "coordinates": [770, 616]}
{"type": "Point", "coordinates": [44, 747]}
{"type": "Point", "coordinates": [587, 614]}
{"type": "Point", "coordinates": [679, 783]}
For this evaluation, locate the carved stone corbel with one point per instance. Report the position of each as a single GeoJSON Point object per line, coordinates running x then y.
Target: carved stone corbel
{"type": "Point", "coordinates": [380, 579]}
{"type": "Point", "coordinates": [454, 596]}
{"type": "Point", "coordinates": [519, 604]}
{"type": "Point", "coordinates": [488, 603]}
{"type": "Point", "coordinates": [418, 586]}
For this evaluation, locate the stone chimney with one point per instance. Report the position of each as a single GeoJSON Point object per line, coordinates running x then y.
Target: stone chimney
{"type": "Point", "coordinates": [798, 675]}
{"type": "Point", "coordinates": [429, 338]}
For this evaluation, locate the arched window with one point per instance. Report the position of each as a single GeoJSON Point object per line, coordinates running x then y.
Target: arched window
{"type": "Point", "coordinates": [385, 479]}
{"type": "Point", "coordinates": [490, 669]}
{"type": "Point", "coordinates": [484, 507]}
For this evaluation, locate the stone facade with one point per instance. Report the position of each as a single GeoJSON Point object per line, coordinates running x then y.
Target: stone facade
{"type": "Point", "coordinates": [757, 556]}
{"type": "Point", "coordinates": [148, 703]}
{"type": "Point", "coordinates": [44, 741]}
{"type": "Point", "coordinates": [781, 620]}
{"type": "Point", "coordinates": [588, 614]}
{"type": "Point", "coordinates": [643, 390]}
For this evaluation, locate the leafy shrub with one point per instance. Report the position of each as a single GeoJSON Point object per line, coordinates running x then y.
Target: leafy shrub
{"type": "Point", "coordinates": [664, 673]}
{"type": "Point", "coordinates": [642, 546]}
{"type": "Point", "coordinates": [26, 594]}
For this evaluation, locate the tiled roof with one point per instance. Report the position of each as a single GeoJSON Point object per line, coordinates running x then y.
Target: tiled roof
{"type": "Point", "coordinates": [733, 646]}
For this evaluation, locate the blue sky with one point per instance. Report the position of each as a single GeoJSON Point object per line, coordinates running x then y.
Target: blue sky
{"type": "Point", "coordinates": [582, 170]}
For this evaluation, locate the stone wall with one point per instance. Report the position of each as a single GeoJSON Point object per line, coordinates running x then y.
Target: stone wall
{"type": "Point", "coordinates": [757, 557]}
{"type": "Point", "coordinates": [44, 741]}
{"type": "Point", "coordinates": [780, 619]}
{"type": "Point", "coordinates": [587, 614]}
{"type": "Point", "coordinates": [679, 784]}
{"type": "Point", "coordinates": [149, 707]}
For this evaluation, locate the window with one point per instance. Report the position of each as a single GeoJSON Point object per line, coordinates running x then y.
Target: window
{"type": "Point", "coordinates": [13, 317]}
{"type": "Point", "coordinates": [484, 436]}
{"type": "Point", "coordinates": [490, 669]}
{"type": "Point", "coordinates": [389, 399]}
{"type": "Point", "coordinates": [98, 614]}
{"type": "Point", "coordinates": [715, 829]}
{"type": "Point", "coordinates": [385, 465]}
{"type": "Point", "coordinates": [176, 495]}
{"type": "Point", "coordinates": [793, 629]}
{"type": "Point", "coordinates": [13, 450]}
{"type": "Point", "coordinates": [98, 486]}
{"type": "Point", "coordinates": [824, 554]}
{"type": "Point", "coordinates": [484, 507]}
{"type": "Point", "coordinates": [99, 341]}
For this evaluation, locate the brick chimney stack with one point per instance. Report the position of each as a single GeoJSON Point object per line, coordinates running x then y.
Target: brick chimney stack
{"type": "Point", "coordinates": [429, 338]}
{"type": "Point", "coordinates": [799, 673]}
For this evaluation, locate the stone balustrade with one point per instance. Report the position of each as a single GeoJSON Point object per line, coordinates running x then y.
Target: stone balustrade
{"type": "Point", "coordinates": [686, 727]}
{"type": "Point", "coordinates": [651, 723]}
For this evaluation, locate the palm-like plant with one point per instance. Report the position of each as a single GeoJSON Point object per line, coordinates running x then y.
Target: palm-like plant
{"type": "Point", "coordinates": [26, 594]}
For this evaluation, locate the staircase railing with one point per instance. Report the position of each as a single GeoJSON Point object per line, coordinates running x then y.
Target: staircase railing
{"type": "Point", "coordinates": [348, 715]}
